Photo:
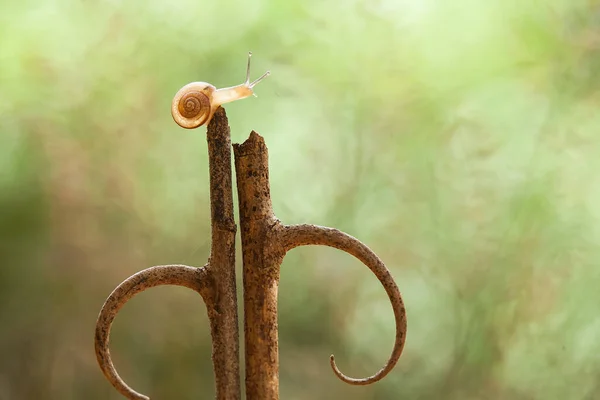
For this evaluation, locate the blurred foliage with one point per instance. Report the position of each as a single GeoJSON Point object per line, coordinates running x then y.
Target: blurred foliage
{"type": "Point", "coordinates": [459, 139]}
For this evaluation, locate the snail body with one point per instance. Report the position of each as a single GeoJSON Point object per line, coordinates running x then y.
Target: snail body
{"type": "Point", "coordinates": [195, 103]}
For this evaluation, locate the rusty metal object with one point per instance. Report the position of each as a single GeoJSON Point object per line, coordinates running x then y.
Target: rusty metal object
{"type": "Point", "coordinates": [265, 242]}
{"type": "Point", "coordinates": [215, 281]}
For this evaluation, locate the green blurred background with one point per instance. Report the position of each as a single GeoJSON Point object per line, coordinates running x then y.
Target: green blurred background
{"type": "Point", "coordinates": [459, 139]}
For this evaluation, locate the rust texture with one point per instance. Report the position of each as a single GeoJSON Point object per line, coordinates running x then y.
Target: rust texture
{"type": "Point", "coordinates": [223, 312]}
{"type": "Point", "coordinates": [262, 256]}
{"type": "Point", "coordinates": [181, 275]}
{"type": "Point", "coordinates": [265, 241]}
{"type": "Point", "coordinates": [215, 281]}
{"type": "Point", "coordinates": [301, 235]}
{"type": "Point", "coordinates": [264, 244]}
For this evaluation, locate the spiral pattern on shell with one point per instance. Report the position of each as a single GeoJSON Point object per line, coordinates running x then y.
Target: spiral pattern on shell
{"type": "Point", "coordinates": [193, 104]}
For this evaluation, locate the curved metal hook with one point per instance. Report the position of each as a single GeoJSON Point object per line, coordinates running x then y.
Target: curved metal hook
{"type": "Point", "coordinates": [305, 234]}
{"type": "Point", "coordinates": [180, 275]}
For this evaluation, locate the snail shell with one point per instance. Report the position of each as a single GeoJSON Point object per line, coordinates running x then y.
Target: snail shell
{"type": "Point", "coordinates": [192, 105]}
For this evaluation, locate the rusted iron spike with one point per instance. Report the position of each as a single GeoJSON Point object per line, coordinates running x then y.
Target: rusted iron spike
{"type": "Point", "coordinates": [265, 242]}
{"type": "Point", "coordinates": [215, 281]}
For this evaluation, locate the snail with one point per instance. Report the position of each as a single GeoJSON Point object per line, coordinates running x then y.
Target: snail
{"type": "Point", "coordinates": [195, 103]}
